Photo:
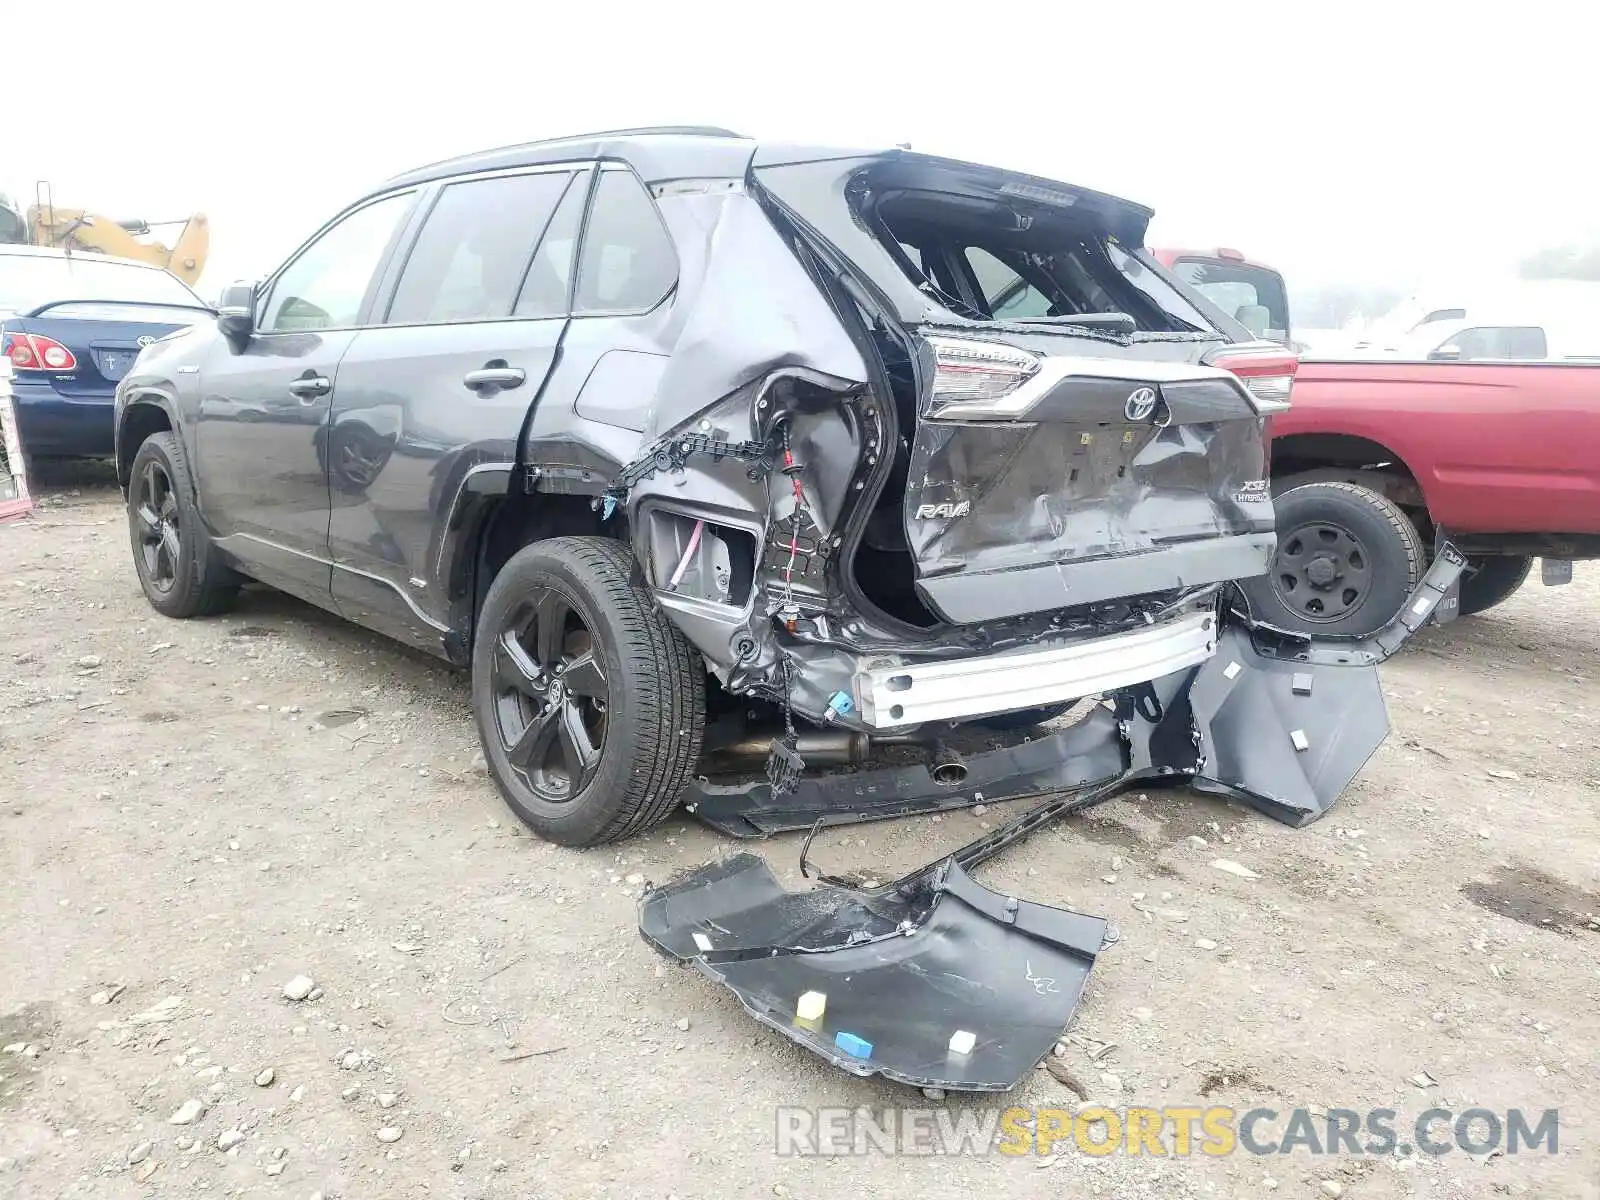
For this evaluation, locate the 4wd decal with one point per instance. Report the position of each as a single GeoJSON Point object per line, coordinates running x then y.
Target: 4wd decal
{"type": "Point", "coordinates": [943, 511]}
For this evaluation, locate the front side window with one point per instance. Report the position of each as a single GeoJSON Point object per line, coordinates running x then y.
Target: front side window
{"type": "Point", "coordinates": [470, 258]}
{"type": "Point", "coordinates": [323, 288]}
{"type": "Point", "coordinates": [628, 261]}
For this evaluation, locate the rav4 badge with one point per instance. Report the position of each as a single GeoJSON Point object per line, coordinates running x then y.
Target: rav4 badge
{"type": "Point", "coordinates": [946, 510]}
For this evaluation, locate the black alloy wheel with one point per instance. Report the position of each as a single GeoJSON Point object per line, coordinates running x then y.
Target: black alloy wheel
{"type": "Point", "coordinates": [181, 572]}
{"type": "Point", "coordinates": [155, 512]}
{"type": "Point", "coordinates": [551, 698]}
{"type": "Point", "coordinates": [590, 705]}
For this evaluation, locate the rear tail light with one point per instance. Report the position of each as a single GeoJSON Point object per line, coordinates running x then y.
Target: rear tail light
{"type": "Point", "coordinates": [972, 379]}
{"type": "Point", "coordinates": [35, 352]}
{"type": "Point", "coordinates": [1268, 375]}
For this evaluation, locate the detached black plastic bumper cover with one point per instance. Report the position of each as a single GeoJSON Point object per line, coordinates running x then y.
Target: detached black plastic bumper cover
{"type": "Point", "coordinates": [913, 972]}
{"type": "Point", "coordinates": [934, 981]}
{"type": "Point", "coordinates": [1284, 722]}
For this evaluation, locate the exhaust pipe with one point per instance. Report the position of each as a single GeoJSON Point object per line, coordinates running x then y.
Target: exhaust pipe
{"type": "Point", "coordinates": [821, 748]}
{"type": "Point", "coordinates": [947, 768]}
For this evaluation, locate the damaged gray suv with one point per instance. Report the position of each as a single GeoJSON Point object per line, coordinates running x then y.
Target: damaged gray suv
{"type": "Point", "coordinates": [689, 445]}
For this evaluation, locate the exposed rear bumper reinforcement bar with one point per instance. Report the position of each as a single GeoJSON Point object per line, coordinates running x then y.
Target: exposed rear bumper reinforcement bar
{"type": "Point", "coordinates": [917, 694]}
{"type": "Point", "coordinates": [934, 980]}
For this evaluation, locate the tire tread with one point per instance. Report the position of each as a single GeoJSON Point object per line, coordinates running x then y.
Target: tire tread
{"type": "Point", "coordinates": [212, 586]}
{"type": "Point", "coordinates": [670, 708]}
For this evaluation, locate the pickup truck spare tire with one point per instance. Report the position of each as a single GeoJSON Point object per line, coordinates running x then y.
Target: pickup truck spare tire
{"type": "Point", "coordinates": [1490, 579]}
{"type": "Point", "coordinates": [1346, 560]}
{"type": "Point", "coordinates": [589, 703]}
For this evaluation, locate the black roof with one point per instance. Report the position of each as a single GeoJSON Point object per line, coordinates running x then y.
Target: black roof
{"type": "Point", "coordinates": [658, 153]}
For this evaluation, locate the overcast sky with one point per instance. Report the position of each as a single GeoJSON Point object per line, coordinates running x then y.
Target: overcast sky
{"type": "Point", "coordinates": [1379, 143]}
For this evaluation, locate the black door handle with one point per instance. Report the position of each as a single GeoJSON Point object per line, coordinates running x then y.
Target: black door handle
{"type": "Point", "coordinates": [309, 387]}
{"type": "Point", "coordinates": [495, 377]}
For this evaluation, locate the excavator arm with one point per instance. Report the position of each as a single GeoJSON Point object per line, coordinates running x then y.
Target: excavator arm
{"type": "Point", "coordinates": [77, 229]}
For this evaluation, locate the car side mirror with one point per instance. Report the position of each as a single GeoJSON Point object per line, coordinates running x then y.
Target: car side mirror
{"type": "Point", "coordinates": [1449, 352]}
{"type": "Point", "coordinates": [236, 313]}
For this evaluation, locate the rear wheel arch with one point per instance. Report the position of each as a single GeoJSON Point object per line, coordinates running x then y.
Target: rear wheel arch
{"type": "Point", "coordinates": [1301, 458]}
{"type": "Point", "coordinates": [503, 525]}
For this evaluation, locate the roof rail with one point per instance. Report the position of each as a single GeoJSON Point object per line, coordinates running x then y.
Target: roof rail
{"type": "Point", "coordinates": [643, 130]}
{"type": "Point", "coordinates": [680, 130]}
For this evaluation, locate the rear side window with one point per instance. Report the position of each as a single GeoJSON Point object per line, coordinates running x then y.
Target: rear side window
{"type": "Point", "coordinates": [470, 258]}
{"type": "Point", "coordinates": [628, 261]}
{"type": "Point", "coordinates": [549, 280]}
{"type": "Point", "coordinates": [1000, 258]}
{"type": "Point", "coordinates": [324, 287]}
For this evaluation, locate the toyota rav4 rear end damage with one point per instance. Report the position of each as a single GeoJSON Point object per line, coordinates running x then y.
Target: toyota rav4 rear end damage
{"type": "Point", "coordinates": [769, 454]}
{"type": "Point", "coordinates": [978, 455]}
{"type": "Point", "coordinates": [1030, 477]}
{"type": "Point", "coordinates": [942, 445]}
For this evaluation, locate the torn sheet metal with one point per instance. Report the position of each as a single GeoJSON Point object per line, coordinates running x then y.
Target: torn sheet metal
{"type": "Point", "coordinates": [908, 975]}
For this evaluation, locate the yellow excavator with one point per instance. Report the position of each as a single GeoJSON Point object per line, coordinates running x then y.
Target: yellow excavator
{"type": "Point", "coordinates": [47, 224]}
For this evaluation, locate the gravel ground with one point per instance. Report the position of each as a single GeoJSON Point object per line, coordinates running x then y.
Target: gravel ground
{"type": "Point", "coordinates": [196, 813]}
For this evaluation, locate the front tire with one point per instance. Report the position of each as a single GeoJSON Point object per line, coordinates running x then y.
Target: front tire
{"type": "Point", "coordinates": [1491, 580]}
{"type": "Point", "coordinates": [181, 573]}
{"type": "Point", "coordinates": [589, 703]}
{"type": "Point", "coordinates": [1347, 558]}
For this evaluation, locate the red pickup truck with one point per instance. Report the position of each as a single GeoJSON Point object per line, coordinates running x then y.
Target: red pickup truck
{"type": "Point", "coordinates": [1377, 459]}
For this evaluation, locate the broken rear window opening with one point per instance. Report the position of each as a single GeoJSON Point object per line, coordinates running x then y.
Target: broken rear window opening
{"type": "Point", "coordinates": [997, 257]}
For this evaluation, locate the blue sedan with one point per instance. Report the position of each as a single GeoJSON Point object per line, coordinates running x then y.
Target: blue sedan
{"type": "Point", "coordinates": [71, 326]}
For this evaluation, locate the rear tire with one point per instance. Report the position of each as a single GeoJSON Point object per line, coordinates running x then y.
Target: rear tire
{"type": "Point", "coordinates": [1347, 558]}
{"type": "Point", "coordinates": [180, 571]}
{"type": "Point", "coordinates": [589, 702]}
{"type": "Point", "coordinates": [1492, 579]}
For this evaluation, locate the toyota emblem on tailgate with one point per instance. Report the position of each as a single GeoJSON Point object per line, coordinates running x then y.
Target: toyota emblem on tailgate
{"type": "Point", "coordinates": [1141, 403]}
{"type": "Point", "coordinates": [146, 339]}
